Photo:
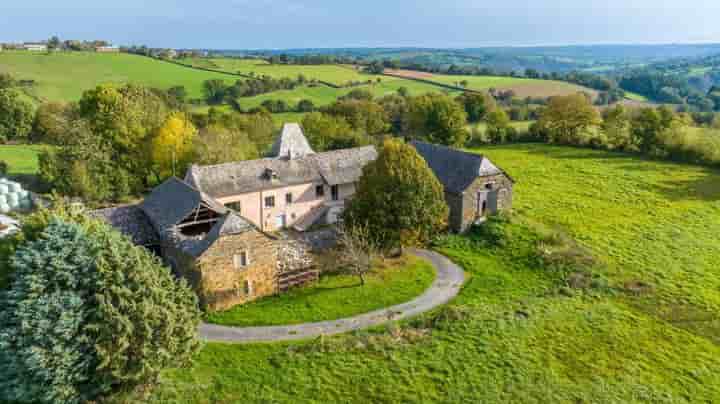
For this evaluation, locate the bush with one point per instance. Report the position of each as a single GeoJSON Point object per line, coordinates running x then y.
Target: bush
{"type": "Point", "coordinates": [3, 168]}
{"type": "Point", "coordinates": [89, 313]}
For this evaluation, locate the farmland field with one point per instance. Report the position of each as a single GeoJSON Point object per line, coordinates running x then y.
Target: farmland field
{"type": "Point", "coordinates": [521, 86]}
{"type": "Point", "coordinates": [334, 74]}
{"type": "Point", "coordinates": [647, 332]}
{"type": "Point", "coordinates": [63, 76]}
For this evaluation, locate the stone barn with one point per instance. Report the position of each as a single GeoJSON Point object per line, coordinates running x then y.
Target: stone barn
{"type": "Point", "coordinates": [475, 188]}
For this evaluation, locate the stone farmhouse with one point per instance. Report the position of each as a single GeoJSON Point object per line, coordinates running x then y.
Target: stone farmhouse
{"type": "Point", "coordinates": [239, 231]}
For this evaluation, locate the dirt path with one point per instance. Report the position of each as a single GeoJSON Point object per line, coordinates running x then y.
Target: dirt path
{"type": "Point", "coordinates": [447, 284]}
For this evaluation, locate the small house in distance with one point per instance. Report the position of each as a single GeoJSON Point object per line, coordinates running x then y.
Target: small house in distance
{"type": "Point", "coordinates": [475, 188]}
{"type": "Point", "coordinates": [107, 49]}
{"type": "Point", "coordinates": [35, 47]}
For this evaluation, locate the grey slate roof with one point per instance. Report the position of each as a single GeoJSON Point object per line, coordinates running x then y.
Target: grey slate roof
{"type": "Point", "coordinates": [455, 169]}
{"type": "Point", "coordinates": [174, 200]}
{"type": "Point", "coordinates": [291, 144]}
{"type": "Point", "coordinates": [131, 221]}
{"type": "Point", "coordinates": [333, 167]}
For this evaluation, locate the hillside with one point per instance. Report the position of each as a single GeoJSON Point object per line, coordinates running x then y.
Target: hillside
{"type": "Point", "coordinates": [647, 332]}
{"type": "Point", "coordinates": [64, 76]}
{"type": "Point", "coordinates": [333, 74]}
{"type": "Point", "coordinates": [521, 86]}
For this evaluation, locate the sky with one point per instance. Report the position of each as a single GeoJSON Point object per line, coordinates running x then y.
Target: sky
{"type": "Point", "coordinates": [282, 24]}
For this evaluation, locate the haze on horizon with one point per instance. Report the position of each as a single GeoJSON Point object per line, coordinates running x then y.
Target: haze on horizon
{"type": "Point", "coordinates": [281, 24]}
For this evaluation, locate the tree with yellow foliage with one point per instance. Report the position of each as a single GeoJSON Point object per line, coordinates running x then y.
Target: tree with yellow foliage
{"type": "Point", "coordinates": [171, 148]}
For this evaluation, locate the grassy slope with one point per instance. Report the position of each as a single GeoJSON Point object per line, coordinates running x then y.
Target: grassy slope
{"type": "Point", "coordinates": [649, 221]}
{"type": "Point", "coordinates": [522, 87]}
{"type": "Point", "coordinates": [64, 76]}
{"type": "Point", "coordinates": [334, 74]}
{"type": "Point", "coordinates": [335, 297]}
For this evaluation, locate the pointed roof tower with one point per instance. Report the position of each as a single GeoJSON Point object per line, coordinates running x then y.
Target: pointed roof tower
{"type": "Point", "coordinates": [291, 144]}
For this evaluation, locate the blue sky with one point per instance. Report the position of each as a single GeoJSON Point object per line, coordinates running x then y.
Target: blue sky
{"type": "Point", "coordinates": [336, 23]}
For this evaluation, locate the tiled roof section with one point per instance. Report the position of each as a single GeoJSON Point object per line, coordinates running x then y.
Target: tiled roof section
{"type": "Point", "coordinates": [131, 221]}
{"type": "Point", "coordinates": [334, 167]}
{"type": "Point", "coordinates": [291, 144]}
{"type": "Point", "coordinates": [172, 201]}
{"type": "Point", "coordinates": [455, 169]}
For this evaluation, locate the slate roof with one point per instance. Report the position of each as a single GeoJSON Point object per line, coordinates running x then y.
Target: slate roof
{"type": "Point", "coordinates": [131, 221]}
{"type": "Point", "coordinates": [455, 169]}
{"type": "Point", "coordinates": [333, 167]}
{"type": "Point", "coordinates": [172, 201]}
{"type": "Point", "coordinates": [291, 144]}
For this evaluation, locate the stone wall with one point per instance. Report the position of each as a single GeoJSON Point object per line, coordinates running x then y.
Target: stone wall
{"type": "Point", "coordinates": [223, 285]}
{"type": "Point", "coordinates": [464, 208]}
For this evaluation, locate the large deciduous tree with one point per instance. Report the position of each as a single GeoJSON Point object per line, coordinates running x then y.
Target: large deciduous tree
{"type": "Point", "coordinates": [437, 118]}
{"type": "Point", "coordinates": [565, 117]}
{"type": "Point", "coordinates": [16, 116]}
{"type": "Point", "coordinates": [172, 145]}
{"type": "Point", "coordinates": [398, 198]}
{"type": "Point", "coordinates": [327, 132]}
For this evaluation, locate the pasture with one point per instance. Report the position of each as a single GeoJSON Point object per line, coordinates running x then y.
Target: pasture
{"type": "Point", "coordinates": [521, 86]}
{"type": "Point", "coordinates": [646, 332]}
{"type": "Point", "coordinates": [64, 76]}
{"type": "Point", "coordinates": [333, 74]}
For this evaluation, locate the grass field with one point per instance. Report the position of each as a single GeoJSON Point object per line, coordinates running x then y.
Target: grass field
{"type": "Point", "coordinates": [64, 76]}
{"type": "Point", "coordinates": [636, 97]}
{"type": "Point", "coordinates": [521, 86]}
{"type": "Point", "coordinates": [511, 336]}
{"type": "Point", "coordinates": [335, 296]}
{"type": "Point", "coordinates": [21, 159]}
{"type": "Point", "coordinates": [334, 74]}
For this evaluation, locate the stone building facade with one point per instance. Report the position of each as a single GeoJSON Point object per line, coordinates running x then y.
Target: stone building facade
{"type": "Point", "coordinates": [474, 187]}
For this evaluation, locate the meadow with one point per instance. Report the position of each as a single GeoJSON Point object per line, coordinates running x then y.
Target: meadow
{"type": "Point", "coordinates": [647, 332]}
{"type": "Point", "coordinates": [21, 159]}
{"type": "Point", "coordinates": [64, 76]}
{"type": "Point", "coordinates": [333, 74]}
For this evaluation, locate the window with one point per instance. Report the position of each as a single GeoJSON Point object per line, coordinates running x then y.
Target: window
{"type": "Point", "coordinates": [236, 206]}
{"type": "Point", "coordinates": [335, 192]}
{"type": "Point", "coordinates": [489, 186]}
{"type": "Point", "coordinates": [241, 260]}
{"type": "Point", "coordinates": [288, 198]}
{"type": "Point", "coordinates": [269, 201]}
{"type": "Point", "coordinates": [320, 191]}
{"type": "Point", "coordinates": [248, 288]}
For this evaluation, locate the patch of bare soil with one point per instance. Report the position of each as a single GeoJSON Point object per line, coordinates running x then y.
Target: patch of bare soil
{"type": "Point", "coordinates": [408, 74]}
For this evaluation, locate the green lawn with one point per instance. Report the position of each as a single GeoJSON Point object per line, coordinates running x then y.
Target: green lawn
{"type": "Point", "coordinates": [64, 76]}
{"type": "Point", "coordinates": [635, 97]}
{"type": "Point", "coordinates": [21, 159]}
{"type": "Point", "coordinates": [511, 336]}
{"type": "Point", "coordinates": [334, 74]}
{"type": "Point", "coordinates": [335, 296]}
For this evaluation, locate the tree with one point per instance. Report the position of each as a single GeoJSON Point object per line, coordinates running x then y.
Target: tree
{"type": "Point", "coordinates": [326, 132]}
{"type": "Point", "coordinates": [645, 129]}
{"type": "Point", "coordinates": [87, 313]}
{"type": "Point", "coordinates": [566, 116]}
{"type": "Point", "coordinates": [214, 91]}
{"type": "Point", "coordinates": [438, 119]}
{"type": "Point", "coordinates": [477, 105]}
{"type": "Point", "coordinates": [358, 94]}
{"type": "Point", "coordinates": [616, 127]}
{"type": "Point", "coordinates": [367, 117]}
{"type": "Point", "coordinates": [357, 252]}
{"type": "Point", "coordinates": [54, 42]}
{"type": "Point", "coordinates": [7, 81]}
{"type": "Point", "coordinates": [305, 106]}
{"type": "Point", "coordinates": [52, 123]}
{"type": "Point", "coordinates": [398, 199]}
{"type": "Point", "coordinates": [498, 126]}
{"type": "Point", "coordinates": [172, 145]}
{"type": "Point", "coordinates": [217, 144]}
{"type": "Point", "coordinates": [403, 92]}
{"type": "Point", "coordinates": [16, 116]}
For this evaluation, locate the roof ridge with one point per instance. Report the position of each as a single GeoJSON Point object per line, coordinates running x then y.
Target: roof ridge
{"type": "Point", "coordinates": [452, 149]}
